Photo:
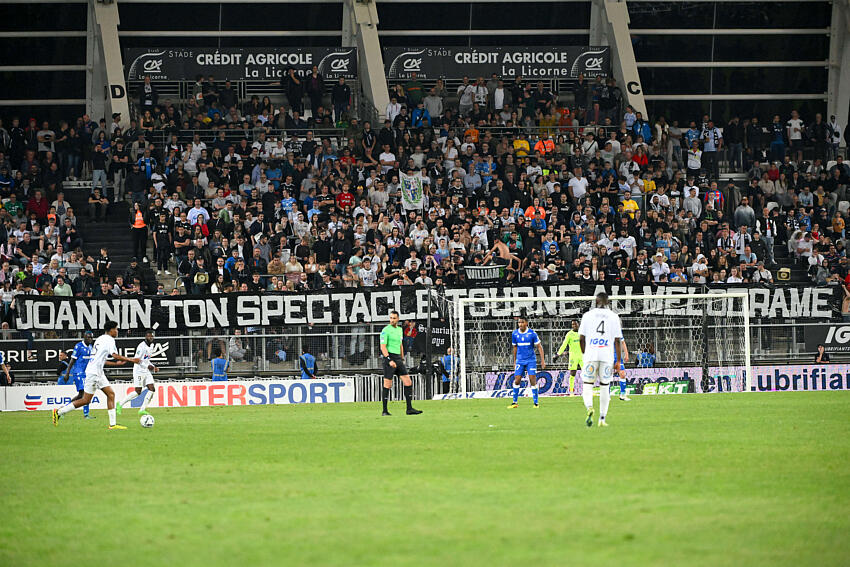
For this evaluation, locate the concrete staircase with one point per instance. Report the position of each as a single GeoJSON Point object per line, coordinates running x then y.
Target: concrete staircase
{"type": "Point", "coordinates": [112, 234]}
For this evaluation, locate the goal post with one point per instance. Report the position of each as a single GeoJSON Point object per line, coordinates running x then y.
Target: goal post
{"type": "Point", "coordinates": [704, 336]}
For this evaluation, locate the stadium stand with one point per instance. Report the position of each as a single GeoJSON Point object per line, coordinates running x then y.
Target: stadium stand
{"type": "Point", "coordinates": [251, 195]}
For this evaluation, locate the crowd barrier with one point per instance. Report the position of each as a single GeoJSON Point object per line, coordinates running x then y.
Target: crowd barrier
{"type": "Point", "coordinates": [651, 381]}
{"type": "Point", "coordinates": [366, 388]}
{"type": "Point", "coordinates": [192, 394]}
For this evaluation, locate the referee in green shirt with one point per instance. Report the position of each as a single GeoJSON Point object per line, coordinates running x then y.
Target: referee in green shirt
{"type": "Point", "coordinates": [392, 358]}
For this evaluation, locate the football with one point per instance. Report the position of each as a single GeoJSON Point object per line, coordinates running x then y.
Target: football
{"type": "Point", "coordinates": [146, 421]}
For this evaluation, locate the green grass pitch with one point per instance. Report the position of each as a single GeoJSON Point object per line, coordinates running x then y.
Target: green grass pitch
{"type": "Point", "coordinates": [732, 479]}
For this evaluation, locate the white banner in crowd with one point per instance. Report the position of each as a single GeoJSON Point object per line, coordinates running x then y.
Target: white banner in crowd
{"type": "Point", "coordinates": [192, 394]}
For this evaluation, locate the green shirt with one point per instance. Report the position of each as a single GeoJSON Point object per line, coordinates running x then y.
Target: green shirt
{"type": "Point", "coordinates": [391, 336]}
{"type": "Point", "coordinates": [572, 341]}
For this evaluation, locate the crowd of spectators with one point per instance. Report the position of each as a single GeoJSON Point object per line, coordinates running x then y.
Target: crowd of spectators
{"type": "Point", "coordinates": [231, 196]}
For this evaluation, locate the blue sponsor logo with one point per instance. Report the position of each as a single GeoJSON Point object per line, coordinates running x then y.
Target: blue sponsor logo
{"type": "Point", "coordinates": [296, 393]}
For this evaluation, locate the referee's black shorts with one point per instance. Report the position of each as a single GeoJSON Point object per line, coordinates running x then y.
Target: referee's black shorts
{"type": "Point", "coordinates": [399, 370]}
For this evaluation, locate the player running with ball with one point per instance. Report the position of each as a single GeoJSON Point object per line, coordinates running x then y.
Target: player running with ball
{"type": "Point", "coordinates": [101, 350]}
{"type": "Point", "coordinates": [599, 333]}
{"type": "Point", "coordinates": [525, 342]}
{"type": "Point", "coordinates": [572, 342]}
{"type": "Point", "coordinates": [142, 377]}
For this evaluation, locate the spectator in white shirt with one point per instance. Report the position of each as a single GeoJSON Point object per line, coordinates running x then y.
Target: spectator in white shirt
{"type": "Point", "coordinates": [659, 267]}
{"type": "Point", "coordinates": [393, 109]}
{"type": "Point", "coordinates": [577, 186]}
{"type": "Point", "coordinates": [805, 247]}
{"type": "Point", "coordinates": [762, 274]}
{"type": "Point", "coordinates": [735, 276]}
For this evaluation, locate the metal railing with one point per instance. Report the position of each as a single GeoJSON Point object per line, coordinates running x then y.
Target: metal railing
{"type": "Point", "coordinates": [353, 348]}
{"type": "Point", "coordinates": [178, 93]}
{"type": "Point", "coordinates": [234, 136]}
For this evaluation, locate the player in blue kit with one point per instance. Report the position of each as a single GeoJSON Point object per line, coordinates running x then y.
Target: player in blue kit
{"type": "Point", "coordinates": [525, 342]}
{"type": "Point", "coordinates": [620, 370]}
{"type": "Point", "coordinates": [77, 368]}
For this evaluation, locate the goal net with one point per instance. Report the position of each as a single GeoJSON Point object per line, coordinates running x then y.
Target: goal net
{"type": "Point", "coordinates": [673, 340]}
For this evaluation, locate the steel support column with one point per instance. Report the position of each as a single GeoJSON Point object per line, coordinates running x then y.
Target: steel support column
{"type": "Point", "coordinates": [838, 90]}
{"type": "Point", "coordinates": [622, 54]}
{"type": "Point", "coordinates": [106, 90]}
{"type": "Point", "coordinates": [360, 28]}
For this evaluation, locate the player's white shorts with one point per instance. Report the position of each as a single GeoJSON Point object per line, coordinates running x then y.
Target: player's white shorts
{"type": "Point", "coordinates": [597, 369]}
{"type": "Point", "coordinates": [95, 382]}
{"type": "Point", "coordinates": [142, 379]}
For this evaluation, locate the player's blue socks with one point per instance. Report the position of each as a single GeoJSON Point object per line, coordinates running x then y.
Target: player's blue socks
{"type": "Point", "coordinates": [622, 388]}
{"type": "Point", "coordinates": [86, 410]}
{"type": "Point", "coordinates": [534, 392]}
{"type": "Point", "coordinates": [516, 393]}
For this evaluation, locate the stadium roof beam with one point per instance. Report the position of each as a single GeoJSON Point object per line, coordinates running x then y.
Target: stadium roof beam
{"type": "Point", "coordinates": [387, 1]}
{"type": "Point", "coordinates": [761, 96]}
{"type": "Point", "coordinates": [338, 33]}
{"type": "Point", "coordinates": [721, 64]}
{"type": "Point", "coordinates": [33, 34]}
{"type": "Point", "coordinates": [539, 31]}
{"type": "Point", "coordinates": [42, 101]}
{"type": "Point", "coordinates": [838, 82]}
{"type": "Point", "coordinates": [731, 31]}
{"type": "Point", "coordinates": [230, 33]}
{"type": "Point", "coordinates": [40, 68]}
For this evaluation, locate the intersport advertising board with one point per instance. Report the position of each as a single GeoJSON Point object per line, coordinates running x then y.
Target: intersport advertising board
{"type": "Point", "coordinates": [192, 394]}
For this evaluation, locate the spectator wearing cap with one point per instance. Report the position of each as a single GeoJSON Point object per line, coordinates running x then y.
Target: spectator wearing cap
{"type": "Point", "coordinates": [660, 268]}
{"type": "Point", "coordinates": [762, 274]}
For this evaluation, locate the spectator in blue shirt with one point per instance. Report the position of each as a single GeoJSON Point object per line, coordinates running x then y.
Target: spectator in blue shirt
{"type": "Point", "coordinates": [692, 135]}
{"type": "Point", "coordinates": [448, 370]}
{"type": "Point", "coordinates": [538, 223]}
{"type": "Point", "coordinates": [642, 128]}
{"type": "Point", "coordinates": [313, 212]}
{"type": "Point", "coordinates": [307, 365]}
{"type": "Point", "coordinates": [420, 117]}
{"type": "Point", "coordinates": [288, 203]}
{"type": "Point", "coordinates": [646, 357]}
{"type": "Point", "coordinates": [220, 366]}
{"type": "Point", "coordinates": [147, 164]}
{"type": "Point", "coordinates": [273, 174]}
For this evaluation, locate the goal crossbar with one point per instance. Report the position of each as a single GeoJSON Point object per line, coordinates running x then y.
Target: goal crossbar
{"type": "Point", "coordinates": [462, 302]}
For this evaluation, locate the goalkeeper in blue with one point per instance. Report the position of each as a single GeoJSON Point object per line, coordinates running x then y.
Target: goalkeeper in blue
{"type": "Point", "coordinates": [526, 345]}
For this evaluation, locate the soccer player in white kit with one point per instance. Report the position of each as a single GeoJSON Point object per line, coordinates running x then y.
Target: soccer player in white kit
{"type": "Point", "coordinates": [101, 350]}
{"type": "Point", "coordinates": [142, 377]}
{"type": "Point", "coordinates": [599, 334]}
